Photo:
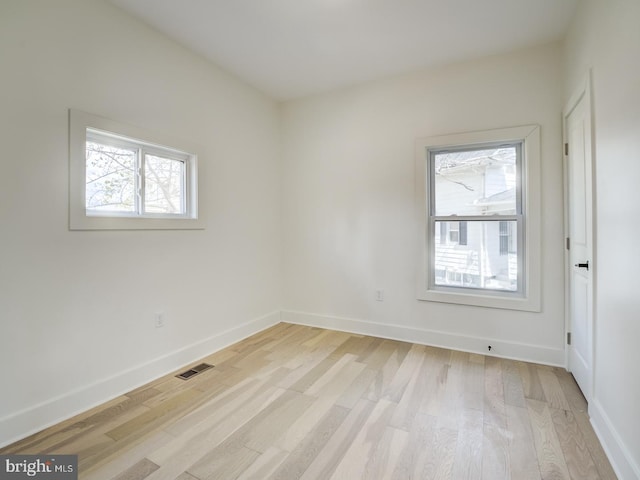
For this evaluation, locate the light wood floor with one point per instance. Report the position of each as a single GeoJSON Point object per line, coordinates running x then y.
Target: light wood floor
{"type": "Point", "coordinates": [299, 402]}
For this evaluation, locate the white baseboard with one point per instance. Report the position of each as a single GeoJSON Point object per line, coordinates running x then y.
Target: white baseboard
{"type": "Point", "coordinates": [32, 419]}
{"type": "Point", "coordinates": [511, 350]}
{"type": "Point", "coordinates": [621, 459]}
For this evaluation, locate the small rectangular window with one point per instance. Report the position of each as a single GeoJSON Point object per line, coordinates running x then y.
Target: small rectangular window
{"type": "Point", "coordinates": [123, 178]}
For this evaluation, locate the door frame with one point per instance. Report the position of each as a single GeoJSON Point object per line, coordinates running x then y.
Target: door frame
{"type": "Point", "coordinates": [582, 91]}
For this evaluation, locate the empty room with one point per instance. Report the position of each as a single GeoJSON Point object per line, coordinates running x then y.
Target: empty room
{"type": "Point", "coordinates": [323, 239]}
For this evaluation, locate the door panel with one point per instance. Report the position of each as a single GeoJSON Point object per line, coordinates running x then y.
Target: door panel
{"type": "Point", "coordinates": [580, 230]}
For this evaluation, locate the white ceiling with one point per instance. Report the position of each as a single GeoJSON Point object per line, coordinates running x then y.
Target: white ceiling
{"type": "Point", "coordinates": [293, 48]}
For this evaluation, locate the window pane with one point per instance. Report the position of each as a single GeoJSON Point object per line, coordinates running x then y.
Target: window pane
{"type": "Point", "coordinates": [164, 185]}
{"type": "Point", "coordinates": [463, 233]}
{"type": "Point", "coordinates": [475, 182]}
{"type": "Point", "coordinates": [110, 178]}
{"type": "Point", "coordinates": [480, 263]}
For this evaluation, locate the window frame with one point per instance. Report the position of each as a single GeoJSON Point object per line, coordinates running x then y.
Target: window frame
{"type": "Point", "coordinates": [83, 126]}
{"type": "Point", "coordinates": [457, 218]}
{"type": "Point", "coordinates": [527, 297]}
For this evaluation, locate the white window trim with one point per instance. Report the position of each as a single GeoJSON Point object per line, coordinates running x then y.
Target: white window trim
{"type": "Point", "coordinates": [79, 122]}
{"type": "Point", "coordinates": [530, 298]}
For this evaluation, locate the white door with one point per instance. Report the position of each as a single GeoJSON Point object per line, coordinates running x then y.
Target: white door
{"type": "Point", "coordinates": [580, 232]}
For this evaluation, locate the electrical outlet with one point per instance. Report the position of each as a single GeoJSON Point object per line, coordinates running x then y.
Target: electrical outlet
{"type": "Point", "coordinates": [380, 295]}
{"type": "Point", "coordinates": [159, 320]}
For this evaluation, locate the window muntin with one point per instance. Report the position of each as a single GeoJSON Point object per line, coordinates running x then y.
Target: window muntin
{"type": "Point", "coordinates": [482, 184]}
{"type": "Point", "coordinates": [123, 177]}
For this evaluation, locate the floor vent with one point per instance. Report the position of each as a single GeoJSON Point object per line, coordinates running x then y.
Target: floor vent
{"type": "Point", "coordinates": [193, 371]}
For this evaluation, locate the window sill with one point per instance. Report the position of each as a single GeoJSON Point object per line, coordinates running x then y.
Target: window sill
{"type": "Point", "coordinates": [484, 299]}
{"type": "Point", "coordinates": [86, 222]}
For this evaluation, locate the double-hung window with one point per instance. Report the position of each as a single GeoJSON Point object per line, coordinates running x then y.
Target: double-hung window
{"type": "Point", "coordinates": [124, 178]}
{"type": "Point", "coordinates": [478, 198]}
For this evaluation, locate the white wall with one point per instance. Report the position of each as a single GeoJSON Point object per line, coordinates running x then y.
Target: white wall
{"type": "Point", "coordinates": [605, 38]}
{"type": "Point", "coordinates": [76, 308]}
{"type": "Point", "coordinates": [348, 202]}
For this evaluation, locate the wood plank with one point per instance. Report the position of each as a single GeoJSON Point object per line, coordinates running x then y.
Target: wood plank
{"type": "Point", "coordinates": [531, 382]}
{"type": "Point", "coordinates": [151, 416]}
{"type": "Point", "coordinates": [552, 390]}
{"type": "Point", "coordinates": [217, 408]}
{"type": "Point", "coordinates": [106, 469]}
{"type": "Point", "coordinates": [436, 368]}
{"type": "Point", "coordinates": [139, 471]}
{"type": "Point", "coordinates": [385, 457]}
{"type": "Point", "coordinates": [595, 448]}
{"type": "Point", "coordinates": [380, 355]}
{"type": "Point", "coordinates": [229, 461]}
{"type": "Point", "coordinates": [185, 476]}
{"type": "Point", "coordinates": [384, 377]}
{"type": "Point", "coordinates": [409, 404]}
{"type": "Point", "coordinates": [331, 455]}
{"type": "Point", "coordinates": [357, 389]}
{"type": "Point", "coordinates": [355, 345]}
{"type": "Point", "coordinates": [496, 463]}
{"type": "Point", "coordinates": [68, 431]}
{"type": "Point", "coordinates": [467, 463]}
{"type": "Point", "coordinates": [440, 454]}
{"type": "Point", "coordinates": [513, 385]}
{"type": "Point", "coordinates": [474, 382]}
{"type": "Point", "coordinates": [301, 365]}
{"type": "Point", "coordinates": [494, 401]}
{"type": "Point", "coordinates": [328, 391]}
{"type": "Point", "coordinates": [314, 374]}
{"type": "Point", "coordinates": [268, 425]}
{"type": "Point", "coordinates": [265, 465]}
{"type": "Point", "coordinates": [309, 447]}
{"type": "Point", "coordinates": [571, 391]}
{"type": "Point", "coordinates": [359, 453]}
{"type": "Point", "coordinates": [574, 446]}
{"type": "Point", "coordinates": [522, 452]}
{"type": "Point", "coordinates": [185, 450]}
{"type": "Point", "coordinates": [403, 374]}
{"type": "Point", "coordinates": [549, 452]}
{"type": "Point", "coordinates": [452, 404]}
{"type": "Point", "coordinates": [328, 379]}
{"type": "Point", "coordinates": [412, 459]}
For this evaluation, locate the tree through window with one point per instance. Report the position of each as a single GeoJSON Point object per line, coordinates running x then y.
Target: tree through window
{"type": "Point", "coordinates": [127, 177]}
